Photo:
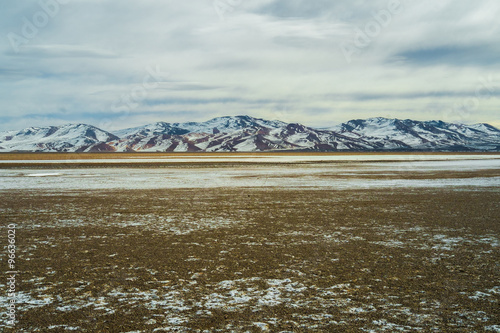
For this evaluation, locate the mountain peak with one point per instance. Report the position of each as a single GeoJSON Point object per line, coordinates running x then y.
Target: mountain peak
{"type": "Point", "coordinates": [246, 133]}
{"type": "Point", "coordinates": [64, 138]}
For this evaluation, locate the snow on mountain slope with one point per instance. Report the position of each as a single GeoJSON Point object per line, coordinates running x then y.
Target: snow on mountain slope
{"type": "Point", "coordinates": [229, 124]}
{"type": "Point", "coordinates": [226, 124]}
{"type": "Point", "coordinates": [246, 134]}
{"type": "Point", "coordinates": [64, 138]}
{"type": "Point", "coordinates": [218, 134]}
{"type": "Point", "coordinates": [255, 137]}
{"type": "Point", "coordinates": [158, 128]}
{"type": "Point", "coordinates": [412, 134]}
{"type": "Point", "coordinates": [154, 143]}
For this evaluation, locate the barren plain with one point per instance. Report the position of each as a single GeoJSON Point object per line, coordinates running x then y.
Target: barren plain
{"type": "Point", "coordinates": [293, 243]}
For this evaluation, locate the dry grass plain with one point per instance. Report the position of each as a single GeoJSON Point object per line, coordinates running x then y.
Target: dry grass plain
{"type": "Point", "coordinates": [257, 259]}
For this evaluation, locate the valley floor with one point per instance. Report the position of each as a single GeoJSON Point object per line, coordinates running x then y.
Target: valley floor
{"type": "Point", "coordinates": [267, 249]}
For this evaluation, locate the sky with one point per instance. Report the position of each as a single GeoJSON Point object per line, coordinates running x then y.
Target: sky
{"type": "Point", "coordinates": [119, 63]}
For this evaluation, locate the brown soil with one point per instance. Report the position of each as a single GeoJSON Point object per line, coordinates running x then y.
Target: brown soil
{"type": "Point", "coordinates": [222, 260]}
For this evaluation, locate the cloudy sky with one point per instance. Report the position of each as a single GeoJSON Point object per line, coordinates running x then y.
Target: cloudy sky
{"type": "Point", "coordinates": [121, 63]}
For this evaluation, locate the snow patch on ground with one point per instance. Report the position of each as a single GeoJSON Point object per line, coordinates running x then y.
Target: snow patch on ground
{"type": "Point", "coordinates": [336, 176]}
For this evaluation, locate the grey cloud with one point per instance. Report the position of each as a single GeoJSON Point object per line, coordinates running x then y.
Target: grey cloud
{"type": "Point", "coordinates": [294, 8]}
{"type": "Point", "coordinates": [459, 55]}
{"type": "Point", "coordinates": [206, 101]}
{"type": "Point", "coordinates": [188, 86]}
{"type": "Point", "coordinates": [410, 96]}
{"type": "Point", "coordinates": [342, 9]}
{"type": "Point", "coordinates": [60, 51]}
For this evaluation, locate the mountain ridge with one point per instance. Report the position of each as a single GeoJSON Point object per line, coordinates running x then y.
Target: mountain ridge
{"type": "Point", "coordinates": [249, 134]}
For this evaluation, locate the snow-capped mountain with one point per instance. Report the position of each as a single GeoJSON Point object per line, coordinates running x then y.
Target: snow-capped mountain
{"type": "Point", "coordinates": [422, 135]}
{"type": "Point", "coordinates": [66, 138]}
{"type": "Point", "coordinates": [247, 134]}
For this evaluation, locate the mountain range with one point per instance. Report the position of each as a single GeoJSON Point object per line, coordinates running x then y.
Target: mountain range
{"type": "Point", "coordinates": [248, 134]}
